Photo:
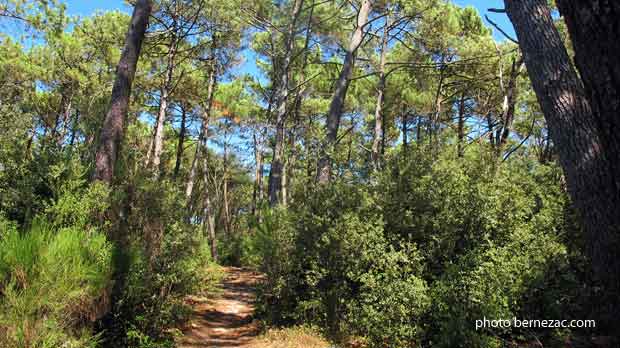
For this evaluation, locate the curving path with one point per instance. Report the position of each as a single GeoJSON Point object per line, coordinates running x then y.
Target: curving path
{"type": "Point", "coordinates": [225, 321]}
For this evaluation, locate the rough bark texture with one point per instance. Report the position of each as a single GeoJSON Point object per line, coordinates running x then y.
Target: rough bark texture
{"type": "Point", "coordinates": [340, 93]}
{"type": "Point", "coordinates": [583, 126]}
{"type": "Point", "coordinates": [281, 96]}
{"type": "Point", "coordinates": [113, 125]}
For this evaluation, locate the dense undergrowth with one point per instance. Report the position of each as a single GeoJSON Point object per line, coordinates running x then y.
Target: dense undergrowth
{"type": "Point", "coordinates": [422, 251]}
{"type": "Point", "coordinates": [64, 283]}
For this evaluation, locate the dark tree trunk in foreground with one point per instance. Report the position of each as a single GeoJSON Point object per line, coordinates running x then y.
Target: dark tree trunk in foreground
{"type": "Point", "coordinates": [583, 123]}
{"type": "Point", "coordinates": [112, 131]}
{"type": "Point", "coordinates": [342, 85]}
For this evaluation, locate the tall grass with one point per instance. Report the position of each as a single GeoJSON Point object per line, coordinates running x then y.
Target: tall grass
{"type": "Point", "coordinates": [53, 283]}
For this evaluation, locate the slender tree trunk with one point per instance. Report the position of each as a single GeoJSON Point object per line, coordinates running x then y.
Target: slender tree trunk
{"type": "Point", "coordinates": [208, 220]}
{"type": "Point", "coordinates": [258, 179]}
{"type": "Point", "coordinates": [202, 138]}
{"type": "Point", "coordinates": [285, 183]}
{"type": "Point", "coordinates": [585, 135]}
{"type": "Point", "coordinates": [74, 127]}
{"type": "Point", "coordinates": [158, 140]}
{"type": "Point", "coordinates": [281, 96]}
{"type": "Point", "coordinates": [418, 130]}
{"type": "Point", "coordinates": [113, 125]}
{"type": "Point", "coordinates": [434, 120]}
{"type": "Point", "coordinates": [299, 94]}
{"type": "Point", "coordinates": [379, 126]}
{"type": "Point", "coordinates": [405, 128]}
{"type": "Point", "coordinates": [66, 104]}
{"type": "Point", "coordinates": [460, 127]}
{"type": "Point", "coordinates": [181, 144]}
{"type": "Point", "coordinates": [337, 104]}
{"type": "Point", "coordinates": [225, 200]}
{"type": "Point", "coordinates": [508, 108]}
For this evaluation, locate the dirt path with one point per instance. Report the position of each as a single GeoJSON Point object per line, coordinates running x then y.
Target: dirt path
{"type": "Point", "coordinates": [226, 320]}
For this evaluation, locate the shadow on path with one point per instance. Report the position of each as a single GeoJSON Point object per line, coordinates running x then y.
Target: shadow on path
{"type": "Point", "coordinates": [227, 320]}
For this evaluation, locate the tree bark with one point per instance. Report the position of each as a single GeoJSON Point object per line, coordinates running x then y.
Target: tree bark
{"type": "Point", "coordinates": [202, 137]}
{"type": "Point", "coordinates": [158, 140]}
{"type": "Point", "coordinates": [181, 144]}
{"type": "Point", "coordinates": [113, 125]}
{"type": "Point", "coordinates": [342, 85]}
{"type": "Point", "coordinates": [377, 142]}
{"type": "Point", "coordinates": [257, 195]}
{"type": "Point", "coordinates": [460, 128]}
{"type": "Point", "coordinates": [208, 213]}
{"type": "Point", "coordinates": [508, 108]}
{"type": "Point", "coordinates": [582, 124]}
{"type": "Point", "coordinates": [281, 96]}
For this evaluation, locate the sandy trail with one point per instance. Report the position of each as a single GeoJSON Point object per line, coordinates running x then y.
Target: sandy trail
{"type": "Point", "coordinates": [225, 321]}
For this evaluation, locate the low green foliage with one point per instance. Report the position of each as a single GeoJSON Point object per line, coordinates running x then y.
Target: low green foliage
{"type": "Point", "coordinates": [424, 251]}
{"type": "Point", "coordinates": [53, 283]}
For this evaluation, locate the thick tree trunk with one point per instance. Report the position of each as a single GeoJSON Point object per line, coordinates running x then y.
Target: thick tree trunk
{"type": "Point", "coordinates": [377, 141]}
{"type": "Point", "coordinates": [281, 97]}
{"type": "Point", "coordinates": [583, 126]}
{"type": "Point", "coordinates": [113, 125]}
{"type": "Point", "coordinates": [181, 144]}
{"type": "Point", "coordinates": [342, 85]}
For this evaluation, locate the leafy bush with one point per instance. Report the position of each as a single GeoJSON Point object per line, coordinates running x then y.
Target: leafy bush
{"type": "Point", "coordinates": [342, 271]}
{"type": "Point", "coordinates": [166, 260]}
{"type": "Point", "coordinates": [491, 239]}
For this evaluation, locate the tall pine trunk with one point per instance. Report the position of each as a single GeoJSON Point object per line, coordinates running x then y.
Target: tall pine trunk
{"type": "Point", "coordinates": [204, 130]}
{"type": "Point", "coordinates": [257, 195]}
{"type": "Point", "coordinates": [340, 93]}
{"type": "Point", "coordinates": [460, 127]}
{"type": "Point", "coordinates": [580, 122]}
{"type": "Point", "coordinates": [181, 144]}
{"type": "Point", "coordinates": [208, 215]}
{"type": "Point", "coordinates": [281, 97]}
{"type": "Point", "coordinates": [113, 125]}
{"type": "Point", "coordinates": [377, 141]}
{"type": "Point", "coordinates": [158, 139]}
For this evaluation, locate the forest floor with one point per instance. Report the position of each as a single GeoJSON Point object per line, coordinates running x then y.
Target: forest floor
{"type": "Point", "coordinates": [226, 320]}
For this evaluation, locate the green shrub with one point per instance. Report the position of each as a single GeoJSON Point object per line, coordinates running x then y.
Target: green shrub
{"type": "Point", "coordinates": [330, 263]}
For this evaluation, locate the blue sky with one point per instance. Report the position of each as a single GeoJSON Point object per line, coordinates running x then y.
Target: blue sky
{"type": "Point", "coordinates": [88, 7]}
